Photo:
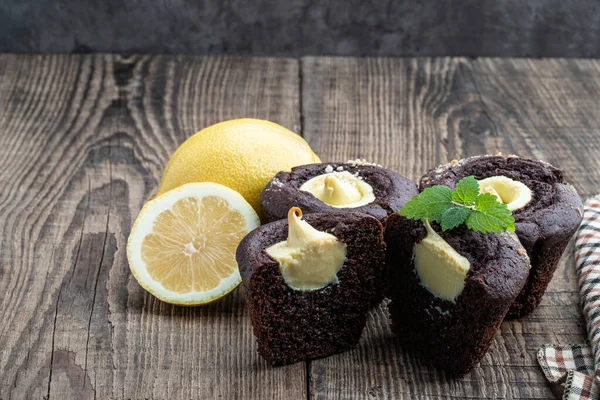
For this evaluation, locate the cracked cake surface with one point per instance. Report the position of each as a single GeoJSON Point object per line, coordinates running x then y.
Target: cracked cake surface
{"type": "Point", "coordinates": [391, 190]}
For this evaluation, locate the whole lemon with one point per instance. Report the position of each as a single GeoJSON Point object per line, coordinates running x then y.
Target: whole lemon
{"type": "Point", "coordinates": [242, 154]}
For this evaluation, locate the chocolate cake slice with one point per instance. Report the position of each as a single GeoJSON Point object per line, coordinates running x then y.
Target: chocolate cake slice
{"type": "Point", "coordinates": [547, 211]}
{"type": "Point", "coordinates": [309, 283]}
{"type": "Point", "coordinates": [450, 290]}
{"type": "Point", "coordinates": [337, 187]}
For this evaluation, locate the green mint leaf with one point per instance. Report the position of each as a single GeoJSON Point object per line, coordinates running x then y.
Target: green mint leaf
{"type": "Point", "coordinates": [466, 191]}
{"type": "Point", "coordinates": [430, 204]}
{"type": "Point", "coordinates": [490, 216]}
{"type": "Point", "coordinates": [465, 205]}
{"type": "Point", "coordinates": [453, 217]}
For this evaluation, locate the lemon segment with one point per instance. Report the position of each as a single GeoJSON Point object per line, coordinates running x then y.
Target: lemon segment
{"type": "Point", "coordinates": [182, 245]}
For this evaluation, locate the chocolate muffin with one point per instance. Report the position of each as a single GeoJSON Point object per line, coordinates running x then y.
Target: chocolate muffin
{"type": "Point", "coordinates": [337, 187]}
{"type": "Point", "coordinates": [299, 306]}
{"type": "Point", "coordinates": [449, 315]}
{"type": "Point", "coordinates": [547, 211]}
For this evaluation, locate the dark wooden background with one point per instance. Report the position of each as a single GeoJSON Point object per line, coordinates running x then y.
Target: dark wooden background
{"type": "Point", "coordinates": [84, 140]}
{"type": "Point", "coordinates": [505, 28]}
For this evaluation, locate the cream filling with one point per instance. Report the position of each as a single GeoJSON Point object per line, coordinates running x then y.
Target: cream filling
{"type": "Point", "coordinates": [441, 269]}
{"type": "Point", "coordinates": [309, 259]}
{"type": "Point", "coordinates": [513, 193]}
{"type": "Point", "coordinates": [340, 189]}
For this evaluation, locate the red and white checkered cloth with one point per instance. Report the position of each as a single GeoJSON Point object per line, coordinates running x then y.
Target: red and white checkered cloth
{"type": "Point", "coordinates": [578, 366]}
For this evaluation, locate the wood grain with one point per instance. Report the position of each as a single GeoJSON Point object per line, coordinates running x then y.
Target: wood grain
{"type": "Point", "coordinates": [412, 114]}
{"type": "Point", "coordinates": [546, 109]}
{"type": "Point", "coordinates": [83, 140]}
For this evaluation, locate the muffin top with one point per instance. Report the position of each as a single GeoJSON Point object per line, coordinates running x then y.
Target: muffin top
{"type": "Point", "coordinates": [390, 190]}
{"type": "Point", "coordinates": [555, 209]}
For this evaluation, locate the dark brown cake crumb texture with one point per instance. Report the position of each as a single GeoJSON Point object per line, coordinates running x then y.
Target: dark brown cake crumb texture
{"type": "Point", "coordinates": [452, 336]}
{"type": "Point", "coordinates": [292, 325]}
{"type": "Point", "coordinates": [544, 226]}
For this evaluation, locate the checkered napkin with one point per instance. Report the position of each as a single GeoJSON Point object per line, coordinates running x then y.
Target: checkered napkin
{"type": "Point", "coordinates": [577, 367]}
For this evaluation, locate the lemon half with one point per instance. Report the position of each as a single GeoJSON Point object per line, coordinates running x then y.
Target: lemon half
{"type": "Point", "coordinates": [182, 245]}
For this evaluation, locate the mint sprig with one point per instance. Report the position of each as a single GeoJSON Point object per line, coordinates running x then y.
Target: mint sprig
{"type": "Point", "coordinates": [463, 205]}
{"type": "Point", "coordinates": [430, 204]}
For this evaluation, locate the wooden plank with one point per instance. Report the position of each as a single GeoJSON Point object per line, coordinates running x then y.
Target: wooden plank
{"type": "Point", "coordinates": [412, 114]}
{"type": "Point", "coordinates": [50, 115]}
{"type": "Point", "coordinates": [547, 109]}
{"type": "Point", "coordinates": [83, 141]}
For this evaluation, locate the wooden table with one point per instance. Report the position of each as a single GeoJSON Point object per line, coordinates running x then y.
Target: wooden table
{"type": "Point", "coordinates": [84, 140]}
